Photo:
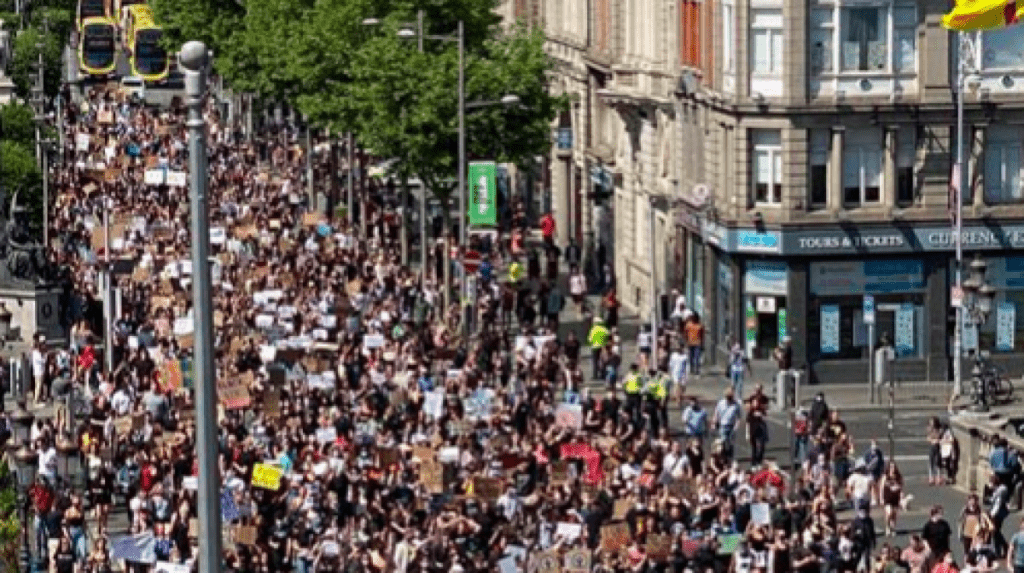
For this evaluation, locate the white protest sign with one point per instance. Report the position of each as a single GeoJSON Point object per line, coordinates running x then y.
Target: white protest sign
{"type": "Point", "coordinates": [176, 179]}
{"type": "Point", "coordinates": [82, 141]}
{"type": "Point", "coordinates": [183, 325]}
{"type": "Point", "coordinates": [326, 435]}
{"type": "Point", "coordinates": [371, 341]}
{"type": "Point", "coordinates": [433, 403]}
{"type": "Point", "coordinates": [154, 177]}
{"type": "Point", "coordinates": [218, 235]}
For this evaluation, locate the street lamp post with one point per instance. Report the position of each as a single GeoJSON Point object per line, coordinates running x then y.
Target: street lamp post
{"type": "Point", "coordinates": [965, 65]}
{"type": "Point", "coordinates": [194, 60]}
{"type": "Point", "coordinates": [978, 296]}
{"type": "Point", "coordinates": [25, 469]}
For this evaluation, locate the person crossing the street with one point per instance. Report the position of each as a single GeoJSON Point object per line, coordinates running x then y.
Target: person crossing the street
{"type": "Point", "coordinates": [728, 413]}
{"type": "Point", "coordinates": [598, 338]}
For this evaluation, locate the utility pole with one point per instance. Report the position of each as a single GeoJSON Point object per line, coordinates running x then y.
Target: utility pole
{"type": "Point", "coordinates": [654, 286]}
{"type": "Point", "coordinates": [40, 117]}
{"type": "Point", "coordinates": [351, 182]}
{"type": "Point", "coordinates": [424, 243]}
{"type": "Point", "coordinates": [194, 60]}
{"type": "Point", "coordinates": [309, 167]}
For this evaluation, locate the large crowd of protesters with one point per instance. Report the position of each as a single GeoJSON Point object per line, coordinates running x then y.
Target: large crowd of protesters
{"type": "Point", "coordinates": [362, 431]}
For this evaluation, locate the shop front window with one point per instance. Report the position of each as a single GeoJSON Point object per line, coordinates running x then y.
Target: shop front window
{"type": "Point", "coordinates": [836, 328]}
{"type": "Point", "coordinates": [1003, 331]}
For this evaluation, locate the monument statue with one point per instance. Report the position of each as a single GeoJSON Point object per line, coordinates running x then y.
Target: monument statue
{"type": "Point", "coordinates": [24, 258]}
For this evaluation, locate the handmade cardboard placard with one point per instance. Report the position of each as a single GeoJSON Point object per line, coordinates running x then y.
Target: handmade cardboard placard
{"type": "Point", "coordinates": [140, 274]}
{"type": "Point", "coordinates": [186, 340]}
{"type": "Point", "coordinates": [99, 239]}
{"type": "Point", "coordinates": [432, 476]}
{"type": "Point", "coordinates": [620, 509]}
{"type": "Point", "coordinates": [193, 528]}
{"type": "Point", "coordinates": [272, 403]}
{"type": "Point", "coordinates": [218, 319]}
{"type": "Point", "coordinates": [659, 546]}
{"type": "Point", "coordinates": [312, 219]}
{"type": "Point", "coordinates": [546, 562]}
{"type": "Point", "coordinates": [388, 457]}
{"type": "Point", "coordinates": [424, 454]}
{"type": "Point", "coordinates": [577, 561]}
{"type": "Point", "coordinates": [123, 425]}
{"type": "Point", "coordinates": [681, 489]}
{"type": "Point", "coordinates": [138, 422]}
{"type": "Point", "coordinates": [266, 476]}
{"type": "Point", "coordinates": [487, 488]}
{"type": "Point", "coordinates": [235, 397]}
{"type": "Point", "coordinates": [614, 537]}
{"type": "Point", "coordinates": [245, 535]}
{"type": "Point", "coordinates": [559, 472]}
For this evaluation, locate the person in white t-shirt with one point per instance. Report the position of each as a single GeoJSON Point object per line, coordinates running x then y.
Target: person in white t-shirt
{"type": "Point", "coordinates": [677, 370]}
{"type": "Point", "coordinates": [39, 368]}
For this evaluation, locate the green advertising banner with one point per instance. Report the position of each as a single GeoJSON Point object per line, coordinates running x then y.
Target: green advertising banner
{"type": "Point", "coordinates": [483, 194]}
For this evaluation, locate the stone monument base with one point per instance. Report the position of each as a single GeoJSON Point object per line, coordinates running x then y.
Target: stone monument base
{"type": "Point", "coordinates": [34, 310]}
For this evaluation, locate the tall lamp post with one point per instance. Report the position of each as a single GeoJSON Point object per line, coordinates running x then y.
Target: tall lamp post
{"type": "Point", "coordinates": [977, 305]}
{"type": "Point", "coordinates": [966, 65]}
{"type": "Point", "coordinates": [194, 60]}
{"type": "Point", "coordinates": [25, 467]}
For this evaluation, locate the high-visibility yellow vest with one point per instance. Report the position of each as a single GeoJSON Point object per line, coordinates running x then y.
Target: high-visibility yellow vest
{"type": "Point", "coordinates": [656, 388]}
{"type": "Point", "coordinates": [598, 336]}
{"type": "Point", "coordinates": [632, 385]}
{"type": "Point", "coordinates": [515, 272]}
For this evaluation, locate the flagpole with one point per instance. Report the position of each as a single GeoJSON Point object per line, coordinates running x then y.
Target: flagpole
{"type": "Point", "coordinates": [960, 174]}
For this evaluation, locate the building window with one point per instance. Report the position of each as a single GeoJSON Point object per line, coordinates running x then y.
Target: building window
{"type": "Point", "coordinates": [862, 34]}
{"type": "Point", "coordinates": [1001, 48]}
{"type": "Point", "coordinates": [767, 166]}
{"type": "Point", "coordinates": [689, 36]}
{"type": "Point", "coordinates": [819, 166]}
{"type": "Point", "coordinates": [864, 44]}
{"type": "Point", "coordinates": [906, 157]}
{"type": "Point", "coordinates": [862, 167]}
{"type": "Point", "coordinates": [728, 38]}
{"type": "Point", "coordinates": [766, 41]}
{"type": "Point", "coordinates": [1003, 165]}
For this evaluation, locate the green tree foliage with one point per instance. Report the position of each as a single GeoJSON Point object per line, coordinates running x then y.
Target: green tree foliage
{"type": "Point", "coordinates": [348, 76]}
{"type": "Point", "coordinates": [19, 173]}
{"type": "Point", "coordinates": [10, 524]}
{"type": "Point", "coordinates": [17, 124]}
{"type": "Point", "coordinates": [26, 57]}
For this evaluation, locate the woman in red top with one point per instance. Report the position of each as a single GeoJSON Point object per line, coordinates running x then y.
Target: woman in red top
{"type": "Point", "coordinates": [611, 309]}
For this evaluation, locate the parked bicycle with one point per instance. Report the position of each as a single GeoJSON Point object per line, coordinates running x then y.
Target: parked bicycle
{"type": "Point", "coordinates": [989, 385]}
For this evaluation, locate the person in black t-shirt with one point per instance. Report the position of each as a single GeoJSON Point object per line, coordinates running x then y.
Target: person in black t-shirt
{"type": "Point", "coordinates": [936, 532]}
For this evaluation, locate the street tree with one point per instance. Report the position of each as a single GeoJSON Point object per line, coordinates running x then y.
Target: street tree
{"type": "Point", "coordinates": [25, 58]}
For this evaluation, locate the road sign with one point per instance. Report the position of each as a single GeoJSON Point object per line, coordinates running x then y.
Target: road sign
{"type": "Point", "coordinates": [869, 309]}
{"type": "Point", "coordinates": [471, 261]}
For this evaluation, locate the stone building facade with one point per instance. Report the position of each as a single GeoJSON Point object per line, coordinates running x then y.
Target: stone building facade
{"type": "Point", "coordinates": [793, 157]}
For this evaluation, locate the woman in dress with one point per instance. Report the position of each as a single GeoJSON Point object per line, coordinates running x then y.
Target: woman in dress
{"type": "Point", "coordinates": [970, 522]}
{"type": "Point", "coordinates": [892, 494]}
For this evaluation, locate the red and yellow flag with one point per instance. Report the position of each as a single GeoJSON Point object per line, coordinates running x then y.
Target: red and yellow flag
{"type": "Point", "coordinates": [974, 15]}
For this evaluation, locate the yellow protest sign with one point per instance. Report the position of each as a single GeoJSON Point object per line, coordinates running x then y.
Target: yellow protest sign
{"type": "Point", "coordinates": [266, 476]}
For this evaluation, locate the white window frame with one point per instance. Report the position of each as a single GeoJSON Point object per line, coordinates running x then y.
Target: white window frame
{"type": "Point", "coordinates": [827, 26]}
{"type": "Point", "coordinates": [766, 143]}
{"type": "Point", "coordinates": [728, 38]}
{"type": "Point", "coordinates": [1003, 142]}
{"type": "Point", "coordinates": [983, 45]}
{"type": "Point", "coordinates": [763, 19]}
{"type": "Point", "coordinates": [859, 145]}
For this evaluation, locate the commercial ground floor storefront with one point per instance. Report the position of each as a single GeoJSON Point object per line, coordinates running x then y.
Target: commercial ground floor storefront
{"type": "Point", "coordinates": [758, 286]}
